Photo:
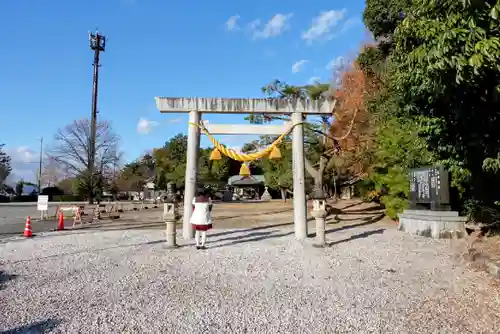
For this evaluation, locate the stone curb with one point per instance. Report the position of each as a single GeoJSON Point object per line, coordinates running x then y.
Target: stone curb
{"type": "Point", "coordinates": [483, 262]}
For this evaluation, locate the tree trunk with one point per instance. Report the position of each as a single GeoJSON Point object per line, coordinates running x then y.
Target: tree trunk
{"type": "Point", "coordinates": [335, 187]}
{"type": "Point", "coordinates": [317, 175]}
{"type": "Point", "coordinates": [283, 194]}
{"type": "Point", "coordinates": [325, 157]}
{"type": "Point", "coordinates": [311, 170]}
{"type": "Point", "coordinates": [323, 161]}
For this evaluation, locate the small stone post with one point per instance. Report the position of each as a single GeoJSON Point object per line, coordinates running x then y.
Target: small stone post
{"type": "Point", "coordinates": [319, 213]}
{"type": "Point", "coordinates": [171, 215]}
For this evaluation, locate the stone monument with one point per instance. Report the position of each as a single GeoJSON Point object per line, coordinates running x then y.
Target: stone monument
{"type": "Point", "coordinates": [429, 213]}
{"type": "Point", "coordinates": [171, 215]}
{"type": "Point", "coordinates": [266, 196]}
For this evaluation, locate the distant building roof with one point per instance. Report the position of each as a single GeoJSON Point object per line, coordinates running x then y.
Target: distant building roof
{"type": "Point", "coordinates": [238, 180]}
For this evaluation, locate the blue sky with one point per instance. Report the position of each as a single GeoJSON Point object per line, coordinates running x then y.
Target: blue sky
{"type": "Point", "coordinates": [157, 48]}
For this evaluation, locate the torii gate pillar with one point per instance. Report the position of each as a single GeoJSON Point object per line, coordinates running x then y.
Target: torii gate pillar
{"type": "Point", "coordinates": [193, 151]}
{"type": "Point", "coordinates": [299, 188]}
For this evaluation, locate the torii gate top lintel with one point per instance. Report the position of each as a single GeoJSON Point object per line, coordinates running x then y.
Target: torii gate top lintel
{"type": "Point", "coordinates": [243, 105]}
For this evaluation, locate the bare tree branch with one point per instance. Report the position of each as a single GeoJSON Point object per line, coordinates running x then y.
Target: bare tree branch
{"type": "Point", "coordinates": [350, 127]}
{"type": "Point", "coordinates": [71, 147]}
{"type": "Point", "coordinates": [51, 173]}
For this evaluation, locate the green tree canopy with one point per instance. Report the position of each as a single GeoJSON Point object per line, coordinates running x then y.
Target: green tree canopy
{"type": "Point", "coordinates": [438, 99]}
{"type": "Point", "coordinates": [171, 162]}
{"type": "Point", "coordinates": [382, 17]}
{"type": "Point", "coordinates": [453, 51]}
{"type": "Point", "coordinates": [318, 147]}
{"type": "Point", "coordinates": [279, 173]}
{"type": "Point", "coordinates": [5, 167]}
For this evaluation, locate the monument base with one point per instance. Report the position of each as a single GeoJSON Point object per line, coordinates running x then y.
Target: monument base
{"type": "Point", "coordinates": [434, 224]}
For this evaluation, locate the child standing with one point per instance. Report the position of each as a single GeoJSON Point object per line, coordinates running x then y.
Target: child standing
{"type": "Point", "coordinates": [201, 219]}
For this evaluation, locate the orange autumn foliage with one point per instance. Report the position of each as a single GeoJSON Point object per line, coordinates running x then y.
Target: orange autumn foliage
{"type": "Point", "coordinates": [352, 128]}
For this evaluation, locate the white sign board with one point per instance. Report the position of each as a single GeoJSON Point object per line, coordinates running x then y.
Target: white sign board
{"type": "Point", "coordinates": [43, 203]}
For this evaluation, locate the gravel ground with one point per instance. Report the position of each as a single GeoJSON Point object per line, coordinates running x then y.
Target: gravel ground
{"type": "Point", "coordinates": [372, 279]}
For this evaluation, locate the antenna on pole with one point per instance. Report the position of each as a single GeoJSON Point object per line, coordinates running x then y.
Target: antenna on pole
{"type": "Point", "coordinates": [97, 44]}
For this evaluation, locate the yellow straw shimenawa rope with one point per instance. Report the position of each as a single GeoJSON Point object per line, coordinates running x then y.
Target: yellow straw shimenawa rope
{"type": "Point", "coordinates": [242, 156]}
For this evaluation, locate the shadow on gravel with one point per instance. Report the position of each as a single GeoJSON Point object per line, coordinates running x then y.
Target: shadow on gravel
{"type": "Point", "coordinates": [249, 237]}
{"type": "Point", "coordinates": [256, 214]}
{"type": "Point", "coordinates": [256, 237]}
{"type": "Point", "coordinates": [244, 236]}
{"type": "Point", "coordinates": [257, 228]}
{"type": "Point", "coordinates": [5, 277]}
{"type": "Point", "coordinates": [366, 221]}
{"type": "Point", "coordinates": [135, 226]}
{"type": "Point", "coordinates": [336, 219]}
{"type": "Point", "coordinates": [371, 209]}
{"type": "Point", "coordinates": [44, 326]}
{"type": "Point", "coordinates": [372, 215]}
{"type": "Point", "coordinates": [357, 236]}
{"type": "Point", "coordinates": [351, 205]}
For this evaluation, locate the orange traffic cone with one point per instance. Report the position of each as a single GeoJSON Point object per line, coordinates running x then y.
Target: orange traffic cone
{"type": "Point", "coordinates": [60, 226]}
{"type": "Point", "coordinates": [27, 230]}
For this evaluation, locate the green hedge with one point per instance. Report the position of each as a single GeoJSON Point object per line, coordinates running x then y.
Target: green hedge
{"type": "Point", "coordinates": [24, 198]}
{"type": "Point", "coordinates": [67, 198]}
{"type": "Point", "coordinates": [34, 198]}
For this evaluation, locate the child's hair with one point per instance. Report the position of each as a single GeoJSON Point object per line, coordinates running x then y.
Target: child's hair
{"type": "Point", "coordinates": [203, 191]}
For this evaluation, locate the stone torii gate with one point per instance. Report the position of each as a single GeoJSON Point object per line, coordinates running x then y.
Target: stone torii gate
{"type": "Point", "coordinates": [296, 108]}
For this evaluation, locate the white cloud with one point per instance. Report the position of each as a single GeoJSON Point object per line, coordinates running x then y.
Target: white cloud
{"type": "Point", "coordinates": [274, 27]}
{"type": "Point", "coordinates": [252, 26]}
{"type": "Point", "coordinates": [23, 154]}
{"type": "Point", "coordinates": [322, 25]}
{"type": "Point", "coordinates": [314, 80]}
{"type": "Point", "coordinates": [12, 179]}
{"type": "Point", "coordinates": [336, 63]}
{"type": "Point", "coordinates": [24, 163]}
{"type": "Point", "coordinates": [231, 23]}
{"type": "Point", "coordinates": [145, 126]}
{"type": "Point", "coordinates": [298, 66]}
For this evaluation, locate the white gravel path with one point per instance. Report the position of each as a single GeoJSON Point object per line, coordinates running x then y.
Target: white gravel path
{"type": "Point", "coordinates": [372, 280]}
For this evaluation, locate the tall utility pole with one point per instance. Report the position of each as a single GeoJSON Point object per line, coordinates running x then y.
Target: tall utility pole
{"type": "Point", "coordinates": [98, 44]}
{"type": "Point", "coordinates": [40, 167]}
